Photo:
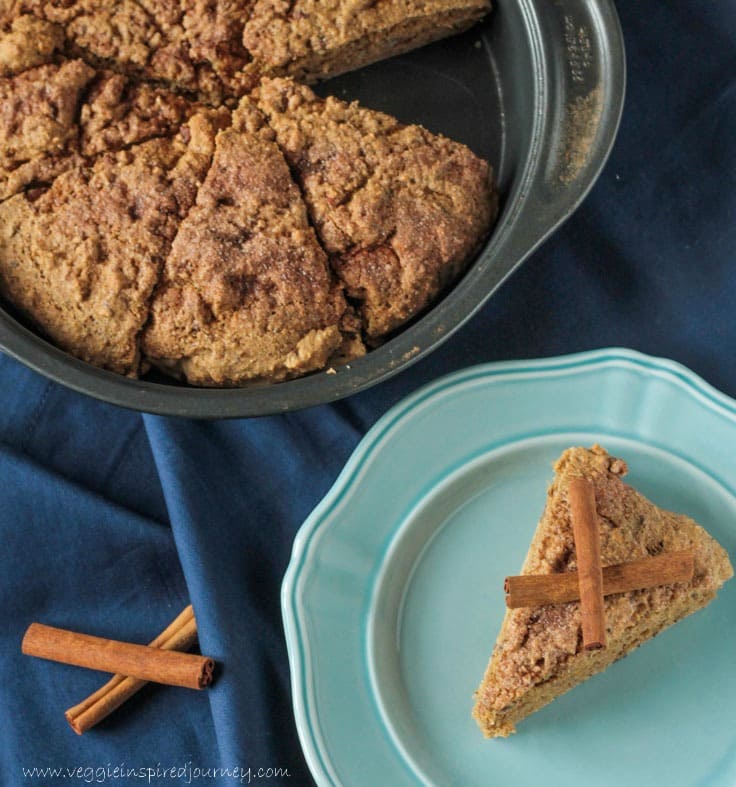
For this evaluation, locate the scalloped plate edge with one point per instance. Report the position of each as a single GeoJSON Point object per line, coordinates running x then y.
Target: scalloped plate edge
{"type": "Point", "coordinates": [312, 741]}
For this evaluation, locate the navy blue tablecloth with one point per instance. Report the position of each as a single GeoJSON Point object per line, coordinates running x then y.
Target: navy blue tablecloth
{"type": "Point", "coordinates": [111, 521]}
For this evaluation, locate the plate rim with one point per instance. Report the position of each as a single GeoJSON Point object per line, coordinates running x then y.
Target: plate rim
{"type": "Point", "coordinates": [312, 742]}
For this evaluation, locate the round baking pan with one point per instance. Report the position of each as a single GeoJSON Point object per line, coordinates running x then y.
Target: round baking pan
{"type": "Point", "coordinates": [537, 88]}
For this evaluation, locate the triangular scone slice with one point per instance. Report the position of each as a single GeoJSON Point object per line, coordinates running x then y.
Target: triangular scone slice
{"type": "Point", "coordinates": [399, 210]}
{"type": "Point", "coordinates": [538, 653]}
{"type": "Point", "coordinates": [82, 256]}
{"type": "Point", "coordinates": [314, 39]}
{"type": "Point", "coordinates": [247, 294]}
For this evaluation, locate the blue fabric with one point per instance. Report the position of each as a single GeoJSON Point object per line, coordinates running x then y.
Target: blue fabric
{"type": "Point", "coordinates": [111, 521]}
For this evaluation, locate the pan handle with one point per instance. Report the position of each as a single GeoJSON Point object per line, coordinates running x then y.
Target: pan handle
{"type": "Point", "coordinates": [581, 86]}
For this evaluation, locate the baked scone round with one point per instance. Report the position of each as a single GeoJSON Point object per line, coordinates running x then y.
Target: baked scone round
{"type": "Point", "coordinates": [167, 201]}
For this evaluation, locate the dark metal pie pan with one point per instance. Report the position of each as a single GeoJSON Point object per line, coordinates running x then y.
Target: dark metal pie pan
{"type": "Point", "coordinates": [537, 88]}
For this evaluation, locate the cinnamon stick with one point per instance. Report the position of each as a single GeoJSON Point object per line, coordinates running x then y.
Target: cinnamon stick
{"type": "Point", "coordinates": [109, 655]}
{"type": "Point", "coordinates": [180, 634]}
{"type": "Point", "coordinates": [533, 590]}
{"type": "Point", "coordinates": [588, 551]}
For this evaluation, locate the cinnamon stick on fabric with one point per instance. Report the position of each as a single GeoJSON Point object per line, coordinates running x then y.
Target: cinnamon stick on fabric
{"type": "Point", "coordinates": [180, 634]}
{"type": "Point", "coordinates": [536, 590]}
{"type": "Point", "coordinates": [109, 655]}
{"type": "Point", "coordinates": [588, 551]}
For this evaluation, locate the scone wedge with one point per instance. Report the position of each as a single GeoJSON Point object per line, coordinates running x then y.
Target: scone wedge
{"type": "Point", "coordinates": [246, 293]}
{"type": "Point", "coordinates": [399, 210]}
{"type": "Point", "coordinates": [539, 653]}
{"type": "Point", "coordinates": [81, 257]}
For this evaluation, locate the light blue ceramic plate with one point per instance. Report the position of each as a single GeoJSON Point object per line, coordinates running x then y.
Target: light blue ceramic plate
{"type": "Point", "coordinates": [393, 597]}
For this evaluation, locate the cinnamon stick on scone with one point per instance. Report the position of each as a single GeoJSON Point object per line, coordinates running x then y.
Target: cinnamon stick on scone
{"type": "Point", "coordinates": [538, 590]}
{"type": "Point", "coordinates": [584, 519]}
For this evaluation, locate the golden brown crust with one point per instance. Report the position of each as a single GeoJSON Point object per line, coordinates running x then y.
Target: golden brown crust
{"type": "Point", "coordinates": [56, 116]}
{"type": "Point", "coordinates": [118, 113]}
{"type": "Point", "coordinates": [538, 653]}
{"type": "Point", "coordinates": [38, 123]}
{"type": "Point", "coordinates": [220, 48]}
{"type": "Point", "coordinates": [399, 210]}
{"type": "Point", "coordinates": [195, 45]}
{"type": "Point", "coordinates": [246, 294]}
{"type": "Point", "coordinates": [81, 257]}
{"type": "Point", "coordinates": [403, 230]}
{"type": "Point", "coordinates": [316, 39]}
{"type": "Point", "coordinates": [25, 42]}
